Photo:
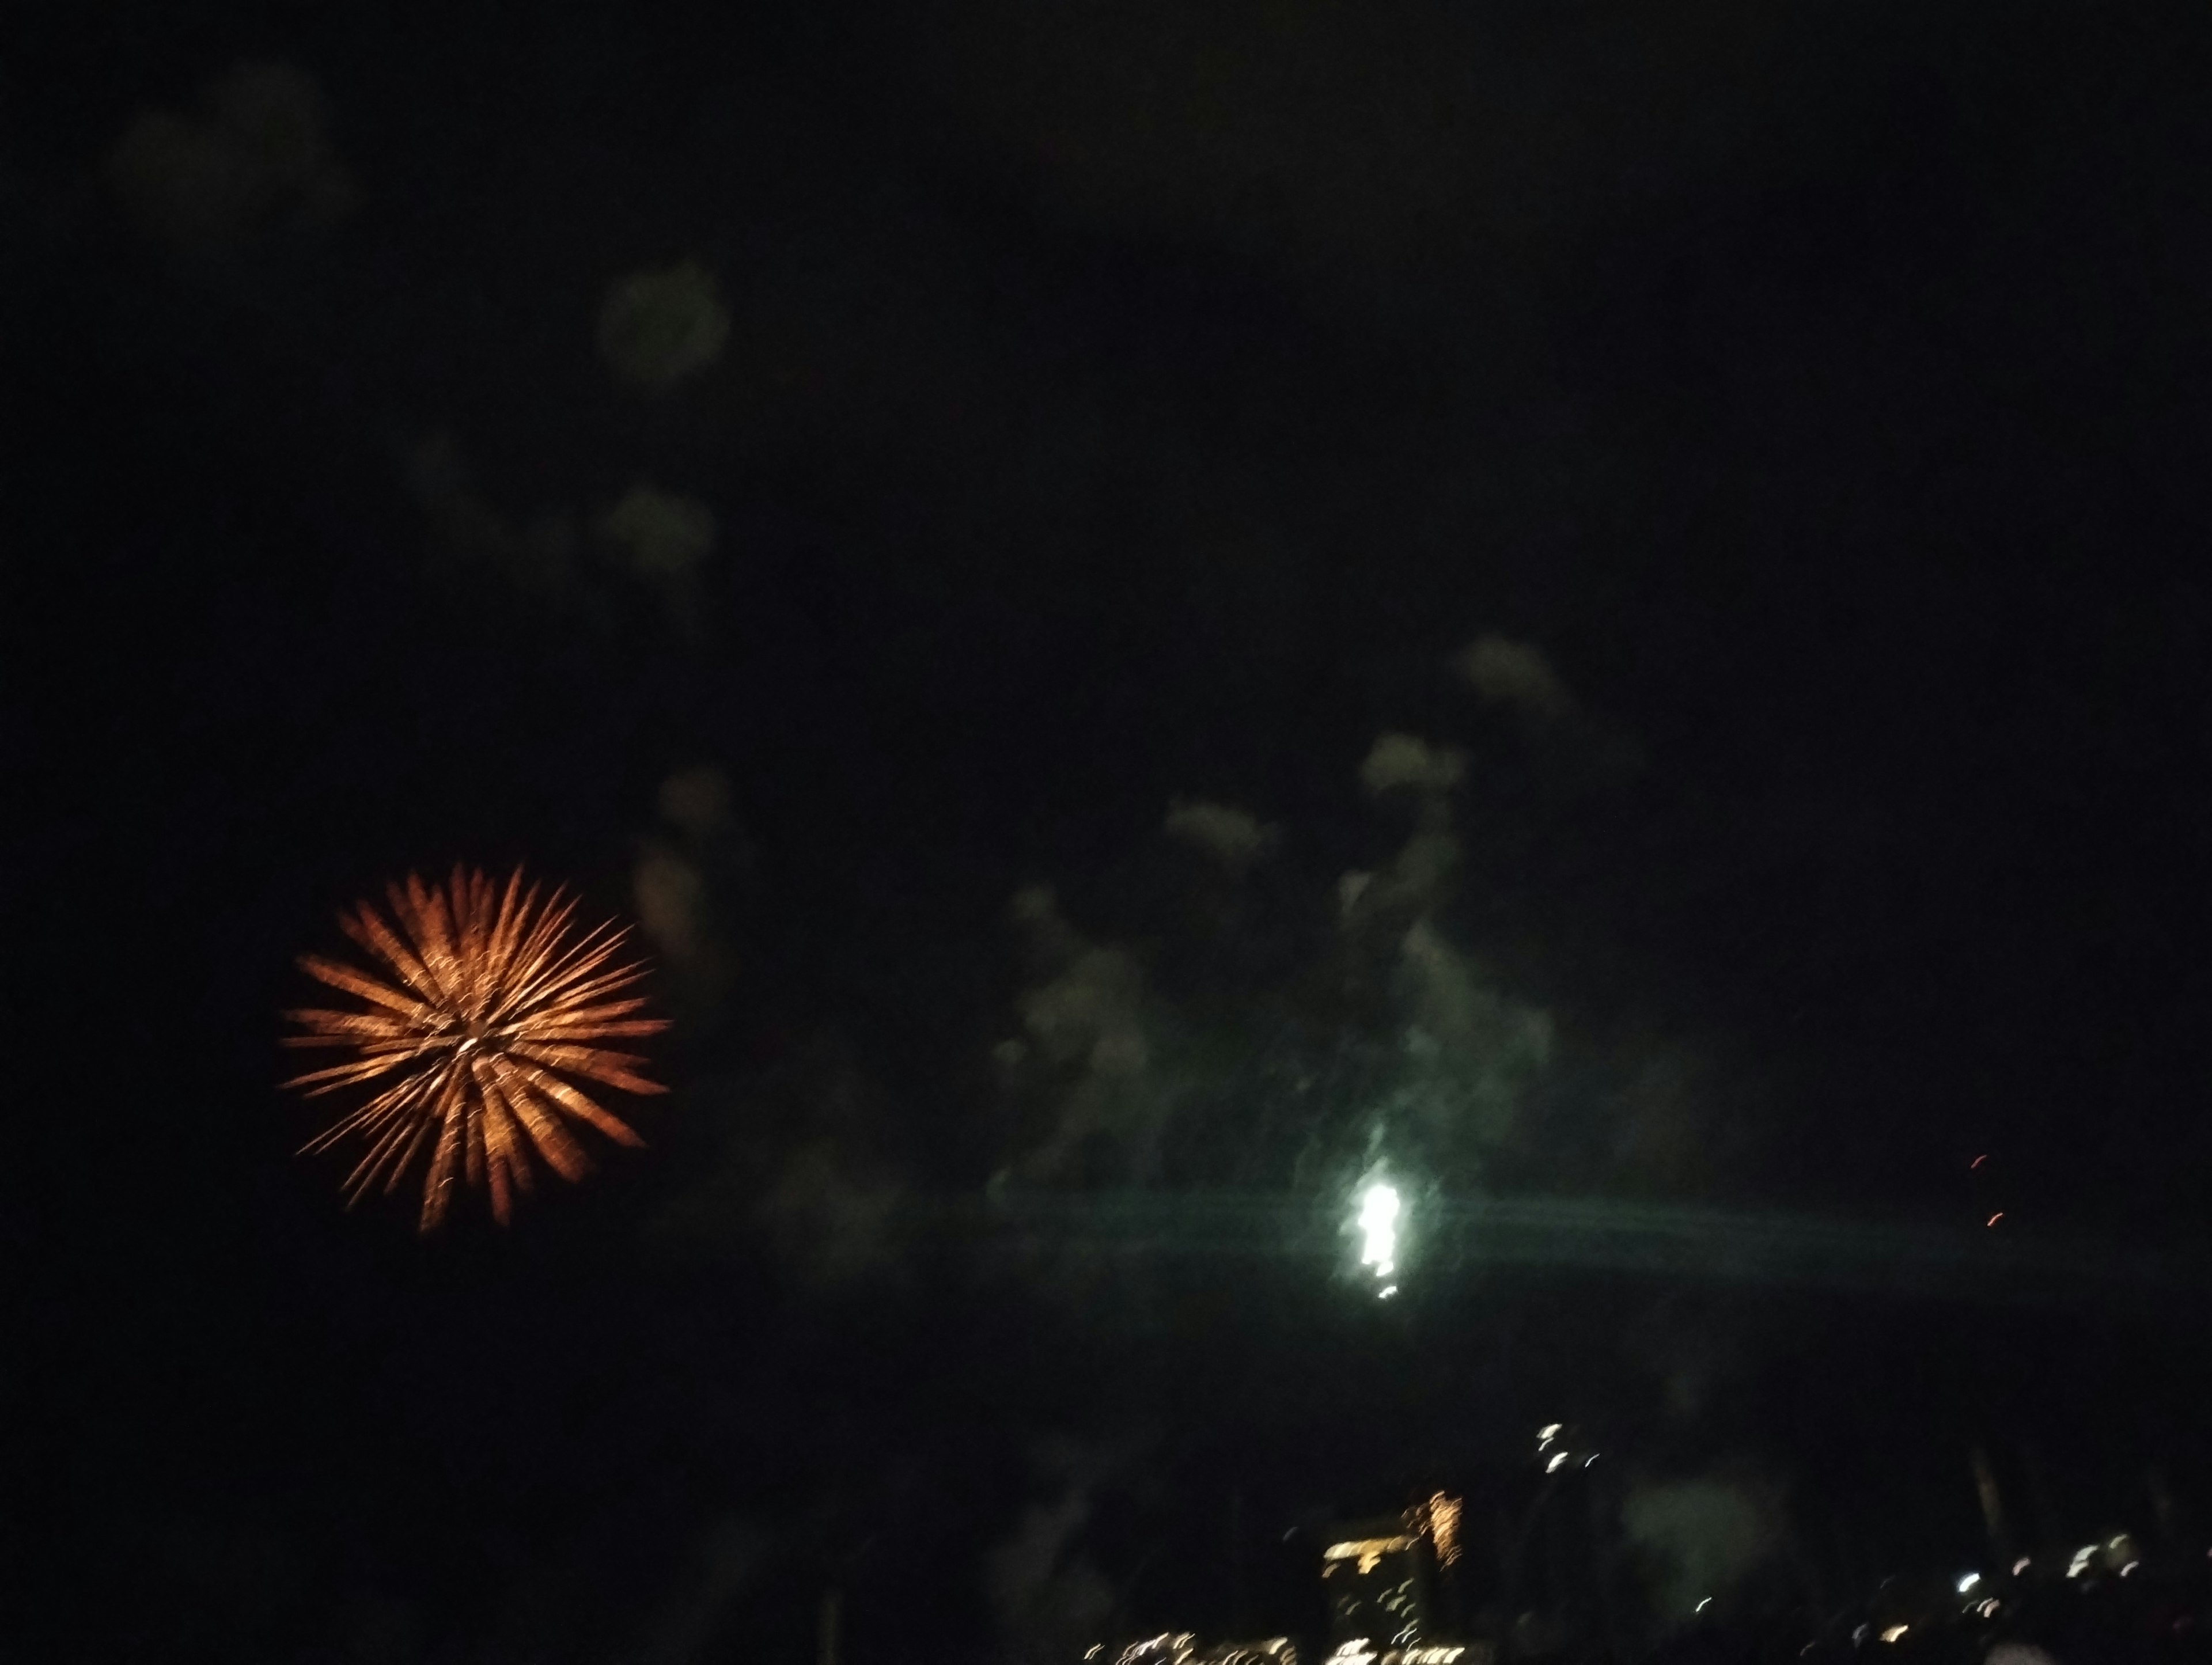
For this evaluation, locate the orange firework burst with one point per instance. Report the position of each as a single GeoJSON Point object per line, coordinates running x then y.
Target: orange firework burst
{"type": "Point", "coordinates": [482, 1005]}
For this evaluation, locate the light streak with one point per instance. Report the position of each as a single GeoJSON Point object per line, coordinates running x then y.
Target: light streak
{"type": "Point", "coordinates": [1365, 1551]}
{"type": "Point", "coordinates": [1378, 1223]}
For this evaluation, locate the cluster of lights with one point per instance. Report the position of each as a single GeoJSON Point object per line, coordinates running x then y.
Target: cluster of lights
{"type": "Point", "coordinates": [1554, 1433]}
{"type": "Point", "coordinates": [1181, 1648]}
{"type": "Point", "coordinates": [2086, 1557]}
{"type": "Point", "coordinates": [1275, 1651]}
{"type": "Point", "coordinates": [1361, 1650]}
{"type": "Point", "coordinates": [1173, 1646]}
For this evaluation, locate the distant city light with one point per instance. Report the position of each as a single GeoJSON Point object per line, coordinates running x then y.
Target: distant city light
{"type": "Point", "coordinates": [2079, 1564]}
{"type": "Point", "coordinates": [1894, 1632]}
{"type": "Point", "coordinates": [1989, 1608]}
{"type": "Point", "coordinates": [1558, 1461]}
{"type": "Point", "coordinates": [1591, 1458]}
{"type": "Point", "coordinates": [1978, 1161]}
{"type": "Point", "coordinates": [2022, 1565]}
{"type": "Point", "coordinates": [1995, 1217]}
{"type": "Point", "coordinates": [1967, 1581]}
{"type": "Point", "coordinates": [1702, 1605]}
{"type": "Point", "coordinates": [1549, 1432]}
{"type": "Point", "coordinates": [1378, 1224]}
{"type": "Point", "coordinates": [2129, 1568]}
{"type": "Point", "coordinates": [1386, 1291]}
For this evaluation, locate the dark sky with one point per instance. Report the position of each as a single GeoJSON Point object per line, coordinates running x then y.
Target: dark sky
{"type": "Point", "coordinates": [1120, 404]}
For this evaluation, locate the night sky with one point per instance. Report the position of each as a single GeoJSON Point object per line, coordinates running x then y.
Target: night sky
{"type": "Point", "coordinates": [1705, 506]}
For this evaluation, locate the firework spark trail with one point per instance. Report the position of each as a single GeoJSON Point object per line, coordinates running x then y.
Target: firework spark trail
{"type": "Point", "coordinates": [483, 1004]}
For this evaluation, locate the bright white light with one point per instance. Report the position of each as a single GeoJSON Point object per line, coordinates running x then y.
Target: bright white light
{"type": "Point", "coordinates": [1702, 1605]}
{"type": "Point", "coordinates": [1386, 1291]}
{"type": "Point", "coordinates": [1967, 1581]}
{"type": "Point", "coordinates": [1378, 1222]}
{"type": "Point", "coordinates": [1894, 1631]}
{"type": "Point", "coordinates": [2022, 1566]}
{"type": "Point", "coordinates": [2079, 1564]}
{"type": "Point", "coordinates": [1549, 1432]}
{"type": "Point", "coordinates": [1590, 1458]}
{"type": "Point", "coordinates": [2129, 1568]}
{"type": "Point", "coordinates": [1557, 1463]}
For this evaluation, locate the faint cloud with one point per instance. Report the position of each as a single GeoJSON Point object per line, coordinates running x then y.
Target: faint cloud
{"type": "Point", "coordinates": [251, 159]}
{"type": "Point", "coordinates": [1051, 1601]}
{"type": "Point", "coordinates": [1231, 836]}
{"type": "Point", "coordinates": [671, 886]}
{"type": "Point", "coordinates": [1086, 1052]}
{"type": "Point", "coordinates": [1418, 879]}
{"type": "Point", "coordinates": [1516, 674]}
{"type": "Point", "coordinates": [541, 556]}
{"type": "Point", "coordinates": [697, 801]}
{"type": "Point", "coordinates": [725, 1564]}
{"type": "Point", "coordinates": [1400, 762]}
{"type": "Point", "coordinates": [666, 540]}
{"type": "Point", "coordinates": [666, 536]}
{"type": "Point", "coordinates": [795, 1156]}
{"type": "Point", "coordinates": [671, 899]}
{"type": "Point", "coordinates": [658, 327]}
{"type": "Point", "coordinates": [1582, 751]}
{"type": "Point", "coordinates": [1698, 1538]}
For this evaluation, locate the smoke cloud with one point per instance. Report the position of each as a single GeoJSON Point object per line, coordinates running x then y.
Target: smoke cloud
{"type": "Point", "coordinates": [1051, 1601]}
{"type": "Point", "coordinates": [659, 327]}
{"type": "Point", "coordinates": [252, 159]}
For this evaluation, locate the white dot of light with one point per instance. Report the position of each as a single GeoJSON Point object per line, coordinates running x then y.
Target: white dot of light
{"type": "Point", "coordinates": [1967, 1581]}
{"type": "Point", "coordinates": [1378, 1222]}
